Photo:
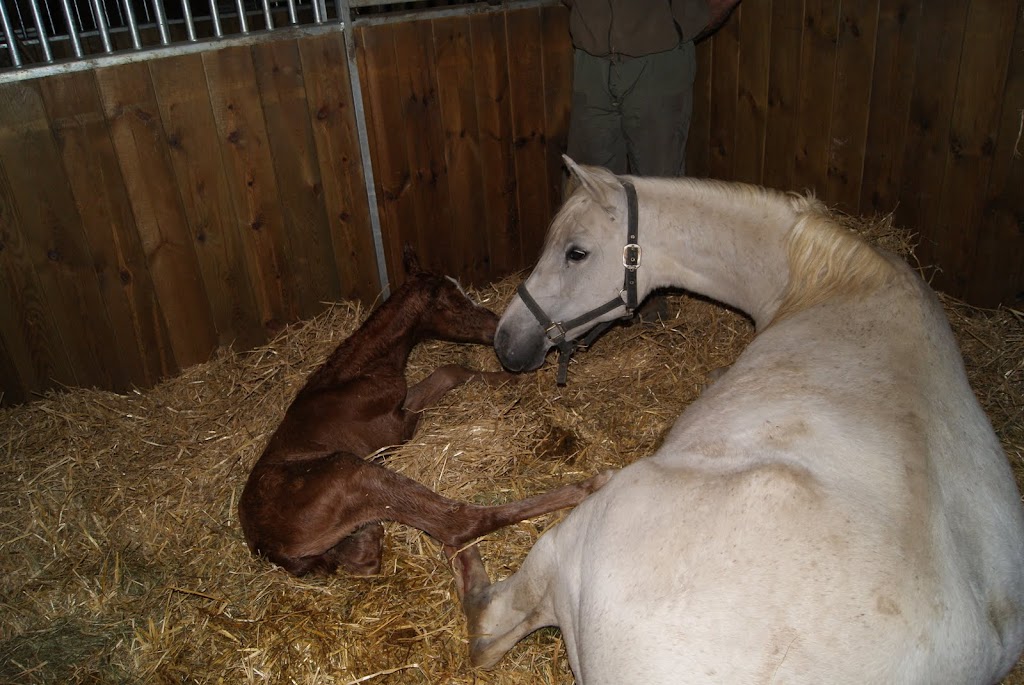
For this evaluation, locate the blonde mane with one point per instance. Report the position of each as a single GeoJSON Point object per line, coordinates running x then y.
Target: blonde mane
{"type": "Point", "coordinates": [827, 260]}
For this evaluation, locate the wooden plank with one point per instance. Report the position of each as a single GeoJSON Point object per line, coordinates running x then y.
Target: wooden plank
{"type": "Point", "coordinates": [424, 134]}
{"type": "Point", "coordinates": [329, 97]}
{"type": "Point", "coordinates": [13, 388]}
{"type": "Point", "coordinates": [142, 344]}
{"type": "Point", "coordinates": [53, 241]}
{"type": "Point", "coordinates": [783, 93]}
{"type": "Point", "coordinates": [888, 111]}
{"type": "Point", "coordinates": [755, 20]}
{"type": "Point", "coordinates": [972, 134]}
{"type": "Point", "coordinates": [133, 117]}
{"type": "Point", "coordinates": [817, 85]}
{"type": "Point", "coordinates": [494, 120]}
{"type": "Point", "coordinates": [526, 70]}
{"type": "Point", "coordinates": [308, 235]}
{"type": "Point", "coordinates": [375, 52]}
{"type": "Point", "coordinates": [179, 84]}
{"type": "Point", "coordinates": [854, 64]}
{"type": "Point", "coordinates": [725, 51]}
{"type": "Point", "coordinates": [997, 271]}
{"type": "Point", "coordinates": [931, 105]}
{"type": "Point", "coordinates": [32, 340]}
{"type": "Point", "coordinates": [457, 102]}
{"type": "Point", "coordinates": [242, 131]}
{"type": "Point", "coordinates": [558, 64]}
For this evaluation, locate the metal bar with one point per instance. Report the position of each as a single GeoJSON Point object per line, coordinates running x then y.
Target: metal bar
{"type": "Point", "coordinates": [100, 16]}
{"type": "Point", "coordinates": [215, 18]}
{"type": "Point", "coordinates": [293, 16]}
{"type": "Point", "coordinates": [161, 22]}
{"type": "Point", "coordinates": [133, 26]}
{"type": "Point", "coordinates": [318, 16]}
{"type": "Point", "coordinates": [243, 23]}
{"type": "Point", "coordinates": [69, 22]}
{"type": "Point", "coordinates": [345, 16]}
{"type": "Point", "coordinates": [268, 20]}
{"type": "Point", "coordinates": [12, 43]}
{"type": "Point", "coordinates": [44, 41]}
{"type": "Point", "coordinates": [190, 25]}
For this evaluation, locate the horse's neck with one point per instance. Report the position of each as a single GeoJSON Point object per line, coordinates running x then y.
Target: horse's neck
{"type": "Point", "coordinates": [717, 242]}
{"type": "Point", "coordinates": [386, 338]}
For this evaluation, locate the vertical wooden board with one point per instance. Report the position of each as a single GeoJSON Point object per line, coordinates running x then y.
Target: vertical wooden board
{"type": "Point", "coordinates": [725, 48]}
{"type": "Point", "coordinates": [421, 125]}
{"type": "Point", "coordinates": [926, 143]}
{"type": "Point", "coordinates": [494, 119]}
{"type": "Point", "coordinates": [141, 340]}
{"type": "Point", "coordinates": [526, 70]}
{"type": "Point", "coordinates": [194, 150]}
{"type": "Point", "coordinates": [31, 336]}
{"type": "Point", "coordinates": [558, 59]}
{"type": "Point", "coordinates": [974, 125]}
{"type": "Point", "coordinates": [755, 21]}
{"type": "Point", "coordinates": [783, 93]}
{"type": "Point", "coordinates": [997, 271]}
{"type": "Point", "coordinates": [892, 84]}
{"type": "Point", "coordinates": [133, 118]}
{"type": "Point", "coordinates": [13, 387]}
{"type": "Point", "coordinates": [329, 96]}
{"type": "Point", "coordinates": [375, 52]}
{"type": "Point", "coordinates": [281, 83]}
{"type": "Point", "coordinates": [457, 103]}
{"type": "Point", "coordinates": [698, 142]}
{"type": "Point", "coordinates": [858, 22]}
{"type": "Point", "coordinates": [817, 84]}
{"type": "Point", "coordinates": [53, 239]}
{"type": "Point", "coordinates": [242, 131]}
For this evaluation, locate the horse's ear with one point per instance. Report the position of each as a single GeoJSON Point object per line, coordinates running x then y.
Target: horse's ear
{"type": "Point", "coordinates": [409, 260]}
{"type": "Point", "coordinates": [597, 182]}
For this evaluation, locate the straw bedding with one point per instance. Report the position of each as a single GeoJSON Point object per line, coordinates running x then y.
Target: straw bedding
{"type": "Point", "coordinates": [123, 560]}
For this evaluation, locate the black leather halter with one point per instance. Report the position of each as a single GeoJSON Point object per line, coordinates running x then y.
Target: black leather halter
{"type": "Point", "coordinates": [556, 330]}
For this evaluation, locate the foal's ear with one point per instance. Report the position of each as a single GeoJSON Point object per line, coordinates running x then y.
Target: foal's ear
{"type": "Point", "coordinates": [410, 262]}
{"type": "Point", "coordinates": [600, 184]}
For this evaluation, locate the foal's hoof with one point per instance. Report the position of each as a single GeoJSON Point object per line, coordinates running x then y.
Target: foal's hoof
{"type": "Point", "coordinates": [595, 483]}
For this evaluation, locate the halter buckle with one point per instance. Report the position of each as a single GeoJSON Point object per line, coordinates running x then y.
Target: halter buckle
{"type": "Point", "coordinates": [631, 256]}
{"type": "Point", "coordinates": [555, 325]}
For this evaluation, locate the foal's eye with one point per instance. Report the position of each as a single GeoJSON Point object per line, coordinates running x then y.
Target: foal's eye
{"type": "Point", "coordinates": [575, 254]}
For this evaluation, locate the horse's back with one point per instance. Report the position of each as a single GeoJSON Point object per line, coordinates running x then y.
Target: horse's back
{"type": "Point", "coordinates": [832, 510]}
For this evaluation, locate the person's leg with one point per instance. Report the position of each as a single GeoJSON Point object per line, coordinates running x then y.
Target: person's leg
{"type": "Point", "coordinates": [657, 107]}
{"type": "Point", "coordinates": [595, 121]}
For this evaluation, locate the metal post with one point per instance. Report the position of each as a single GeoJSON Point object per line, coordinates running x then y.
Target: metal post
{"type": "Point", "coordinates": [12, 44]}
{"type": "Point", "coordinates": [215, 18]}
{"type": "Point", "coordinates": [243, 23]}
{"type": "Point", "coordinates": [69, 22]}
{"type": "Point", "coordinates": [44, 42]}
{"type": "Point", "coordinates": [161, 21]}
{"type": "Point", "coordinates": [345, 17]}
{"type": "Point", "coordinates": [133, 26]}
{"type": "Point", "coordinates": [268, 20]}
{"type": "Point", "coordinates": [293, 17]}
{"type": "Point", "coordinates": [190, 25]}
{"type": "Point", "coordinates": [99, 15]}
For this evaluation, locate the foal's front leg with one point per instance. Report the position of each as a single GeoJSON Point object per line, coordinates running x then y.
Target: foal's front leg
{"type": "Point", "coordinates": [428, 391]}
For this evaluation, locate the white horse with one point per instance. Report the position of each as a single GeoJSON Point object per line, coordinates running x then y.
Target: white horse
{"type": "Point", "coordinates": [835, 508]}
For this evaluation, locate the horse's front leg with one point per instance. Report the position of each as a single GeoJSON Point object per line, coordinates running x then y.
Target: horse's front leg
{"type": "Point", "coordinates": [428, 391]}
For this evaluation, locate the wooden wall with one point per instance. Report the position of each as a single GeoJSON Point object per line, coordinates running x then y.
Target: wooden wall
{"type": "Point", "coordinates": [910, 107]}
{"type": "Point", "coordinates": [151, 212]}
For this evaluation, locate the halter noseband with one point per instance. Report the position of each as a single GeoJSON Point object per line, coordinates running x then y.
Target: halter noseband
{"type": "Point", "coordinates": [556, 330]}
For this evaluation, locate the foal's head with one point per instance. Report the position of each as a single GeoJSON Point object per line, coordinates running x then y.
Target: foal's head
{"type": "Point", "coordinates": [449, 313]}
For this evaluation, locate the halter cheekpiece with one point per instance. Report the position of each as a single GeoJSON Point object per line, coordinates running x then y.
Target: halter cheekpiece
{"type": "Point", "coordinates": [556, 330]}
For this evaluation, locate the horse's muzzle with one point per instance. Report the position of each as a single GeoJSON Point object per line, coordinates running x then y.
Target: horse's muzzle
{"type": "Point", "coordinates": [520, 353]}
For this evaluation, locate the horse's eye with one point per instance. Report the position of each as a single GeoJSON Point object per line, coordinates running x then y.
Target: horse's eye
{"type": "Point", "coordinates": [575, 254]}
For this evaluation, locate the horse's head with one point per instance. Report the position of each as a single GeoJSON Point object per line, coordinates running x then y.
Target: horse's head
{"type": "Point", "coordinates": [579, 270]}
{"type": "Point", "coordinates": [448, 312]}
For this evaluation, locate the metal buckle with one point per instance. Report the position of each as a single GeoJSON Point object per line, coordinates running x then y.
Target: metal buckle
{"type": "Point", "coordinates": [561, 332]}
{"type": "Point", "coordinates": [626, 262]}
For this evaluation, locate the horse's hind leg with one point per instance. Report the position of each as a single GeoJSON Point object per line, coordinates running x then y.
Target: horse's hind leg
{"type": "Point", "coordinates": [360, 553]}
{"type": "Point", "coordinates": [497, 615]}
